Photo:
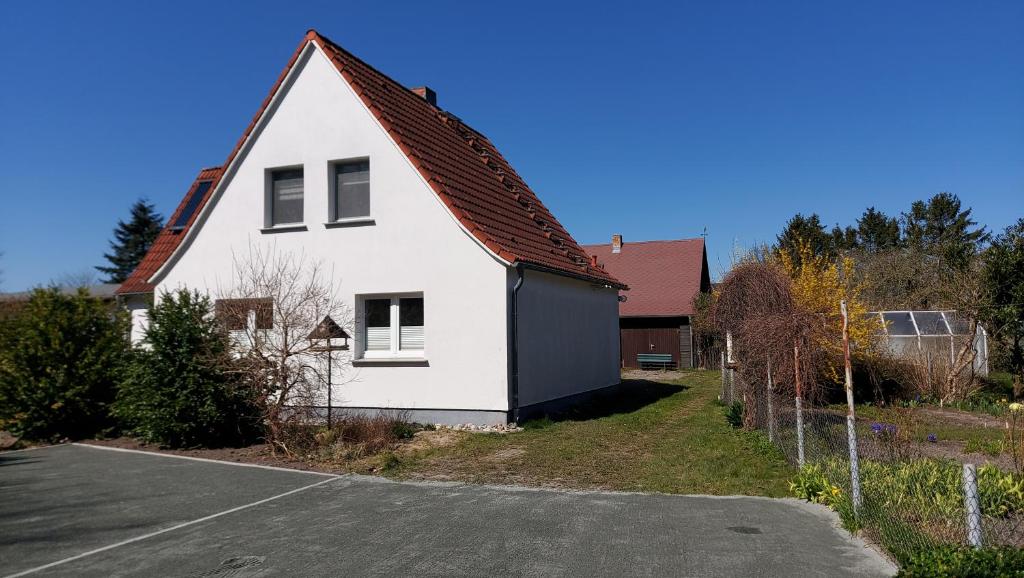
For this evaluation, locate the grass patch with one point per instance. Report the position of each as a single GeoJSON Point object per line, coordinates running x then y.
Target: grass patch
{"type": "Point", "coordinates": [655, 436]}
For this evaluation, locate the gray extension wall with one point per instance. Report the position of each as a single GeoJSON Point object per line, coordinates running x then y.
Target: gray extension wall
{"type": "Point", "coordinates": [568, 337]}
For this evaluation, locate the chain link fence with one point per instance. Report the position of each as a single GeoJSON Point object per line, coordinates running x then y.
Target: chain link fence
{"type": "Point", "coordinates": [899, 498]}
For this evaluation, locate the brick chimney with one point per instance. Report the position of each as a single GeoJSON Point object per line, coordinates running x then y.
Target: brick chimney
{"type": "Point", "coordinates": [426, 94]}
{"type": "Point", "coordinates": [616, 243]}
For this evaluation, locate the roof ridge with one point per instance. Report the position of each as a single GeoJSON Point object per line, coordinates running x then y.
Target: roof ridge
{"type": "Point", "coordinates": [624, 243]}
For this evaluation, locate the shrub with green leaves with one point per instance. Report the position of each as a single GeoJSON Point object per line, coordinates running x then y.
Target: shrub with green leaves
{"type": "Point", "coordinates": [180, 390]}
{"type": "Point", "coordinates": [60, 357]}
{"type": "Point", "coordinates": [977, 563]}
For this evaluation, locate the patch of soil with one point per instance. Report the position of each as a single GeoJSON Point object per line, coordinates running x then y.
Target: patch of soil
{"type": "Point", "coordinates": [953, 450]}
{"type": "Point", "coordinates": [961, 418]}
{"type": "Point", "coordinates": [9, 442]}
{"type": "Point", "coordinates": [425, 440]}
{"type": "Point", "coordinates": [508, 454]}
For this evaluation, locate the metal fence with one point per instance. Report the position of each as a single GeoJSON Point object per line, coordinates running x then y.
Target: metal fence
{"type": "Point", "coordinates": [884, 487]}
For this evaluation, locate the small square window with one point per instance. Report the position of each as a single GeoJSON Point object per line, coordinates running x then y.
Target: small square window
{"type": "Point", "coordinates": [393, 326]}
{"type": "Point", "coordinates": [351, 190]}
{"type": "Point", "coordinates": [286, 193]}
{"type": "Point", "coordinates": [239, 314]}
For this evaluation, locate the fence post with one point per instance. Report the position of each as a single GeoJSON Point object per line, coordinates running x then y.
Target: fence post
{"type": "Point", "coordinates": [851, 416]}
{"type": "Point", "coordinates": [721, 395]}
{"type": "Point", "coordinates": [971, 506]}
{"type": "Point", "coordinates": [799, 409]}
{"type": "Point", "coordinates": [771, 412]}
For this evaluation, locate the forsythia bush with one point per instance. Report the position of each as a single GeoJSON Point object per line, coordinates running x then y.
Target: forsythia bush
{"type": "Point", "coordinates": [818, 287]}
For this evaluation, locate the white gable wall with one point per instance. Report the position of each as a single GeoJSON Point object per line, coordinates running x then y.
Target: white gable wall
{"type": "Point", "coordinates": [415, 245]}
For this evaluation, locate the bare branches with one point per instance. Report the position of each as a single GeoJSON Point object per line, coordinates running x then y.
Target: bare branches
{"type": "Point", "coordinates": [283, 297]}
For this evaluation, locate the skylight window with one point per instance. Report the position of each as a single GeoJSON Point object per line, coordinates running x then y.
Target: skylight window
{"type": "Point", "coordinates": [191, 206]}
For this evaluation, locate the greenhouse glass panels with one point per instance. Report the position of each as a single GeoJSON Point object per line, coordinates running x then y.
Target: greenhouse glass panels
{"type": "Point", "coordinates": [932, 336]}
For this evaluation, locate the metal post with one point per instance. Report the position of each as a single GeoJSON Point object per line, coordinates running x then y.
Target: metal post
{"type": "Point", "coordinates": [771, 412]}
{"type": "Point", "coordinates": [799, 408]}
{"type": "Point", "coordinates": [971, 506]}
{"type": "Point", "coordinates": [330, 354]}
{"type": "Point", "coordinates": [851, 416]}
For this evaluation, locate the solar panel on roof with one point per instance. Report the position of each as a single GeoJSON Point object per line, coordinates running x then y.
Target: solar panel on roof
{"type": "Point", "coordinates": [190, 206]}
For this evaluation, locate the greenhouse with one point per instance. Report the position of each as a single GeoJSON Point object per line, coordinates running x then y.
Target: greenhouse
{"type": "Point", "coordinates": [932, 337]}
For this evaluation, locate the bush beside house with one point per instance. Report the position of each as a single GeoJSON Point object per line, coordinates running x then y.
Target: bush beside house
{"type": "Point", "coordinates": [59, 358]}
{"type": "Point", "coordinates": [180, 389]}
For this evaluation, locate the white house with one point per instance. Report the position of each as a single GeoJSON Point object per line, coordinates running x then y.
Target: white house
{"type": "Point", "coordinates": [471, 302]}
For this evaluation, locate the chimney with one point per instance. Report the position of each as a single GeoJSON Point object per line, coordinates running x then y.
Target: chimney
{"type": "Point", "coordinates": [616, 243]}
{"type": "Point", "coordinates": [426, 94]}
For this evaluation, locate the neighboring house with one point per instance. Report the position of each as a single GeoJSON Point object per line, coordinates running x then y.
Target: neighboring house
{"type": "Point", "coordinates": [664, 277]}
{"type": "Point", "coordinates": [430, 232]}
{"type": "Point", "coordinates": [10, 303]}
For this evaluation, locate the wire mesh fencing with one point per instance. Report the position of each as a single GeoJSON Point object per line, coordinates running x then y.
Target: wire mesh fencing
{"type": "Point", "coordinates": [886, 487]}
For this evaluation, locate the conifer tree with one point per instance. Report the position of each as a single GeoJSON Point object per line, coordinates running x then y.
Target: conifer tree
{"type": "Point", "coordinates": [131, 241]}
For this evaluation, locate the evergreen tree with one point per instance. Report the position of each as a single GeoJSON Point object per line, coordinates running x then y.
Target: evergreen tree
{"type": "Point", "coordinates": [808, 230]}
{"type": "Point", "coordinates": [943, 231]}
{"type": "Point", "coordinates": [844, 239]}
{"type": "Point", "coordinates": [1003, 282]}
{"type": "Point", "coordinates": [877, 231]}
{"type": "Point", "coordinates": [131, 241]}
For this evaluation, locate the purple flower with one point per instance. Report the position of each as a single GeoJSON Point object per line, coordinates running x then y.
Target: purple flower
{"type": "Point", "coordinates": [933, 438]}
{"type": "Point", "coordinates": [890, 429]}
{"type": "Point", "coordinates": [876, 428]}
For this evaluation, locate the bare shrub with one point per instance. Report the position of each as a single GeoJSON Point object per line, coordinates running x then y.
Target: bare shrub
{"type": "Point", "coordinates": [351, 436]}
{"type": "Point", "coordinates": [272, 307]}
{"type": "Point", "coordinates": [756, 306]}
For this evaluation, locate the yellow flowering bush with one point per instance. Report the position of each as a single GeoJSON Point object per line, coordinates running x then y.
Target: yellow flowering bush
{"type": "Point", "coordinates": [818, 286]}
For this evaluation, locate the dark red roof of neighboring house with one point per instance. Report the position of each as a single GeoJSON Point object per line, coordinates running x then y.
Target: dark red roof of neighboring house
{"type": "Point", "coordinates": [663, 276]}
{"type": "Point", "coordinates": [461, 165]}
{"type": "Point", "coordinates": [168, 239]}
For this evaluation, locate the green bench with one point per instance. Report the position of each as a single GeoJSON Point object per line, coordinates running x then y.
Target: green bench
{"type": "Point", "coordinates": [659, 360]}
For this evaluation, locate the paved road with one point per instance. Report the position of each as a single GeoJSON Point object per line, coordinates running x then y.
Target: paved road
{"type": "Point", "coordinates": [82, 511]}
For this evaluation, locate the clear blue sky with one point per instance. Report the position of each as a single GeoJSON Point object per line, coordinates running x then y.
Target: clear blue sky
{"type": "Point", "coordinates": [649, 120]}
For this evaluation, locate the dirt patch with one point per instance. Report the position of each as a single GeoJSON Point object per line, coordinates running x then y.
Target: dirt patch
{"type": "Point", "coordinates": [508, 454]}
{"type": "Point", "coordinates": [953, 450]}
{"type": "Point", "coordinates": [428, 440]}
{"type": "Point", "coordinates": [960, 418]}
{"type": "Point", "coordinates": [9, 442]}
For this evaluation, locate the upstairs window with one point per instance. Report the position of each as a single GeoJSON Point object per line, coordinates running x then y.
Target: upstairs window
{"type": "Point", "coordinates": [393, 326]}
{"type": "Point", "coordinates": [351, 197]}
{"type": "Point", "coordinates": [286, 194]}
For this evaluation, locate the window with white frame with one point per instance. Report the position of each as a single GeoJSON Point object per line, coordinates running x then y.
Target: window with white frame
{"type": "Point", "coordinates": [286, 197]}
{"type": "Point", "coordinates": [351, 194]}
{"type": "Point", "coordinates": [393, 326]}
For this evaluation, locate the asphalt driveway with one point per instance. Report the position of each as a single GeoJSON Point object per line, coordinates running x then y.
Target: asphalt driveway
{"type": "Point", "coordinates": [88, 511]}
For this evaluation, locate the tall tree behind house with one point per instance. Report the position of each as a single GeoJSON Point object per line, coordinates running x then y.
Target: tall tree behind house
{"type": "Point", "coordinates": [940, 229]}
{"type": "Point", "coordinates": [131, 241]}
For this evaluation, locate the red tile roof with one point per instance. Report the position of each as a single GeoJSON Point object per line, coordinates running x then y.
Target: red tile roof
{"type": "Point", "coordinates": [168, 239]}
{"type": "Point", "coordinates": [461, 165]}
{"type": "Point", "coordinates": [663, 276]}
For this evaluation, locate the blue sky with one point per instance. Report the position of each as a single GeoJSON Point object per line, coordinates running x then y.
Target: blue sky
{"type": "Point", "coordinates": [650, 120]}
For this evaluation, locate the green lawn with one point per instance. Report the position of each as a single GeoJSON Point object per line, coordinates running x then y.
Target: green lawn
{"type": "Point", "coordinates": [659, 436]}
